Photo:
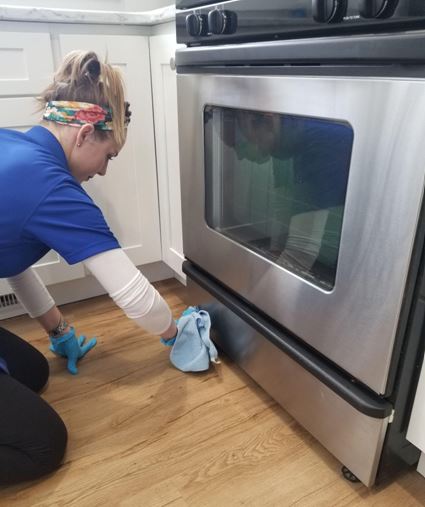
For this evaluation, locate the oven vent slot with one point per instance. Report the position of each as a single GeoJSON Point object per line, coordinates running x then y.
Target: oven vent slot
{"type": "Point", "coordinates": [7, 300]}
{"type": "Point", "coordinates": [10, 306]}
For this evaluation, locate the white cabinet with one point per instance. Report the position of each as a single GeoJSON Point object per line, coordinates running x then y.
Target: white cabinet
{"type": "Point", "coordinates": [164, 90]}
{"type": "Point", "coordinates": [147, 222]}
{"type": "Point", "coordinates": [128, 194]}
{"type": "Point", "coordinates": [26, 67]}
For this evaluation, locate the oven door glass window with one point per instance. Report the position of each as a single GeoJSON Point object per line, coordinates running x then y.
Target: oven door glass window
{"type": "Point", "coordinates": [276, 184]}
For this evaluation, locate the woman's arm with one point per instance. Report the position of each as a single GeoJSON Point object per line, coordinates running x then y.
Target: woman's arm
{"type": "Point", "coordinates": [35, 298]}
{"type": "Point", "coordinates": [54, 323]}
{"type": "Point", "coordinates": [132, 292]}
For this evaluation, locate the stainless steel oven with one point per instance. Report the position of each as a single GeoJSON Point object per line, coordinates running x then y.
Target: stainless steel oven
{"type": "Point", "coordinates": [303, 164]}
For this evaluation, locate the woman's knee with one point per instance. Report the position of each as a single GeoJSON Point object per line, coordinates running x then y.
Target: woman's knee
{"type": "Point", "coordinates": [33, 437]}
{"type": "Point", "coordinates": [35, 458]}
{"type": "Point", "coordinates": [49, 447]}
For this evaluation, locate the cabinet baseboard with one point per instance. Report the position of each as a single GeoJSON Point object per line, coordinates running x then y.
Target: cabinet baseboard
{"type": "Point", "coordinates": [88, 287]}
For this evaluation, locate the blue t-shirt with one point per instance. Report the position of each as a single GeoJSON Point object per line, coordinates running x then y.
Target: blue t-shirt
{"type": "Point", "coordinates": [42, 206]}
{"type": "Point", "coordinates": [3, 366]}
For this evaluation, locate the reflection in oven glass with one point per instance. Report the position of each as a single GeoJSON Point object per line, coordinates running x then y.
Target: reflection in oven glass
{"type": "Point", "coordinates": [276, 184]}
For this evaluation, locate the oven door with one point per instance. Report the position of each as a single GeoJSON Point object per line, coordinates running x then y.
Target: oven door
{"type": "Point", "coordinates": [302, 195]}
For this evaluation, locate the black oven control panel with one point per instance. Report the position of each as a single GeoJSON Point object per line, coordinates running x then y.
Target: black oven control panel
{"type": "Point", "coordinates": [200, 22]}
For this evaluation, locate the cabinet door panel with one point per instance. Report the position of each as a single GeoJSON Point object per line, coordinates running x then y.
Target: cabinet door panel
{"type": "Point", "coordinates": [127, 195]}
{"type": "Point", "coordinates": [164, 88]}
{"type": "Point", "coordinates": [26, 63]}
{"type": "Point", "coordinates": [19, 113]}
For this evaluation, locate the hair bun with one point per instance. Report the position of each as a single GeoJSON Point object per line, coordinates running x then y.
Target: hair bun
{"type": "Point", "coordinates": [93, 68]}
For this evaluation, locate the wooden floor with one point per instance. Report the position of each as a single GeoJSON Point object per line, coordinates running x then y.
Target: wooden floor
{"type": "Point", "coordinates": [144, 434]}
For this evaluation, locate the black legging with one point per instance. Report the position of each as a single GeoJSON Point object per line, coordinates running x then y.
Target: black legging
{"type": "Point", "coordinates": [32, 435]}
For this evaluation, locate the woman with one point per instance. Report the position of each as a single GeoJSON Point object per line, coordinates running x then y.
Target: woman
{"type": "Point", "coordinates": [41, 171]}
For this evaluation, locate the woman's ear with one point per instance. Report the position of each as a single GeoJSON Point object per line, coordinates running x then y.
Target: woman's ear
{"type": "Point", "coordinates": [84, 134]}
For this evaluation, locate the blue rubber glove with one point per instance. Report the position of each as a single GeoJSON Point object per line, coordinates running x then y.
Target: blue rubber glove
{"type": "Point", "coordinates": [71, 347]}
{"type": "Point", "coordinates": [170, 341]}
{"type": "Point", "coordinates": [189, 310]}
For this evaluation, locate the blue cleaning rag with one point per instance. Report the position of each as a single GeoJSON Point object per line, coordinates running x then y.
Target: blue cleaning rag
{"type": "Point", "coordinates": [192, 348]}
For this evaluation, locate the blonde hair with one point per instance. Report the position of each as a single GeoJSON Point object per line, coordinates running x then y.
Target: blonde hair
{"type": "Point", "coordinates": [82, 77]}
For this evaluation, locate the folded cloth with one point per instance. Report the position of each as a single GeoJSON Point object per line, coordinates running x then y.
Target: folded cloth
{"type": "Point", "coordinates": [193, 349]}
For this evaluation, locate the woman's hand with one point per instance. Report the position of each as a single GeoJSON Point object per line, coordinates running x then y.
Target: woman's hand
{"type": "Point", "coordinates": [169, 337]}
{"type": "Point", "coordinates": [71, 347]}
{"type": "Point", "coordinates": [171, 331]}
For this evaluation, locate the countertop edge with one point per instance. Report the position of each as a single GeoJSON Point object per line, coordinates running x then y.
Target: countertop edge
{"type": "Point", "coordinates": [53, 15]}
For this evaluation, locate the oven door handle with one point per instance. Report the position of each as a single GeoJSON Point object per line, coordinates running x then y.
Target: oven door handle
{"type": "Point", "coordinates": [357, 395]}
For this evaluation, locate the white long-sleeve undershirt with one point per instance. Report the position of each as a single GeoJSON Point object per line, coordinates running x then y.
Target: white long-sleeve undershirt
{"type": "Point", "coordinates": [31, 292]}
{"type": "Point", "coordinates": [125, 284]}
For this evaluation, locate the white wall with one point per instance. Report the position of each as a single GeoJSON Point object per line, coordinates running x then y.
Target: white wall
{"type": "Point", "coordinates": [101, 5]}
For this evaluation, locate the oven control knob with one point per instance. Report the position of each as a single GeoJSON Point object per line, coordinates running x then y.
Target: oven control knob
{"type": "Point", "coordinates": [196, 24]}
{"type": "Point", "coordinates": [377, 8]}
{"type": "Point", "coordinates": [222, 22]}
{"type": "Point", "coordinates": [329, 11]}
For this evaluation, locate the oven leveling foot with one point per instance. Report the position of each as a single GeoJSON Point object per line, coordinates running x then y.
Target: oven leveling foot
{"type": "Point", "coordinates": [349, 475]}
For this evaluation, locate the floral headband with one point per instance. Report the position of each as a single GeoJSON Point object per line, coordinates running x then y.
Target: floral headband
{"type": "Point", "coordinates": [73, 113]}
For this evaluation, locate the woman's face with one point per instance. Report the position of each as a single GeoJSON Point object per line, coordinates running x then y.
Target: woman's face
{"type": "Point", "coordinates": [90, 154]}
